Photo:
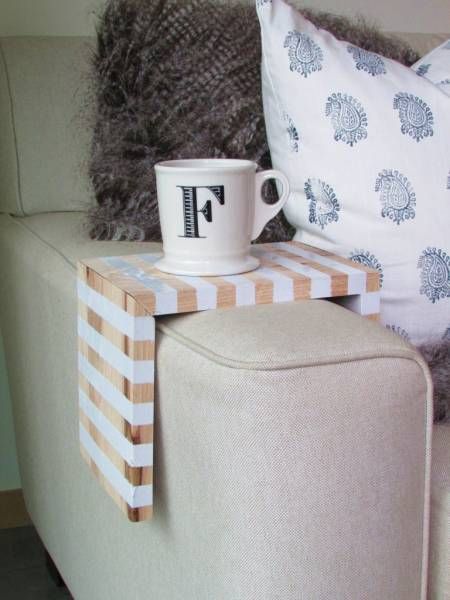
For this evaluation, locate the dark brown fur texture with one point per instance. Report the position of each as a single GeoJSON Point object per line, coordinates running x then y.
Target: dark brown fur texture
{"type": "Point", "coordinates": [438, 358]}
{"type": "Point", "coordinates": [181, 79]}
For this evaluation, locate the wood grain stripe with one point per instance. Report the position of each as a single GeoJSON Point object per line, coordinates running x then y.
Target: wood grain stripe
{"type": "Point", "coordinates": [301, 283]}
{"type": "Point", "coordinates": [263, 287]}
{"type": "Point", "coordinates": [186, 294]}
{"type": "Point", "coordinates": [373, 279]}
{"type": "Point", "coordinates": [135, 350]}
{"type": "Point", "coordinates": [136, 434]}
{"type": "Point", "coordinates": [114, 291]}
{"type": "Point", "coordinates": [339, 280]}
{"type": "Point", "coordinates": [138, 393]}
{"type": "Point", "coordinates": [135, 475]}
{"type": "Point", "coordinates": [134, 515]}
{"type": "Point", "coordinates": [226, 291]}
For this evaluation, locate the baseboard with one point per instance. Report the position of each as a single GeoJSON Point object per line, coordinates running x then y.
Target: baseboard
{"type": "Point", "coordinates": [13, 512]}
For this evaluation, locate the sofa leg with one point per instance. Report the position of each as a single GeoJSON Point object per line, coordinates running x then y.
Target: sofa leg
{"type": "Point", "coordinates": [53, 571]}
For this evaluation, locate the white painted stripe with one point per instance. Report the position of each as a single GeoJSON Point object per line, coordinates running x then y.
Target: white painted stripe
{"type": "Point", "coordinates": [136, 371]}
{"type": "Point", "coordinates": [320, 282]}
{"type": "Point", "coordinates": [357, 279]}
{"type": "Point", "coordinates": [135, 414]}
{"type": "Point", "coordinates": [151, 258]}
{"type": "Point", "coordinates": [245, 289]}
{"type": "Point", "coordinates": [365, 304]}
{"type": "Point", "coordinates": [283, 287]}
{"type": "Point", "coordinates": [136, 455]}
{"type": "Point", "coordinates": [206, 292]}
{"type": "Point", "coordinates": [139, 329]}
{"type": "Point", "coordinates": [136, 497]}
{"type": "Point", "coordinates": [166, 297]}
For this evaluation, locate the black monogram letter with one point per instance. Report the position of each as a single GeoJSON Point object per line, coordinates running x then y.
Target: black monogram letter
{"type": "Point", "coordinates": [191, 211]}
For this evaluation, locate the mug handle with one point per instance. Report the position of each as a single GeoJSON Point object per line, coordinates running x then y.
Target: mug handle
{"type": "Point", "coordinates": [263, 211]}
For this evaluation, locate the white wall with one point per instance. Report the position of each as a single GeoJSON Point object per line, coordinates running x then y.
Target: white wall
{"type": "Point", "coordinates": [77, 17]}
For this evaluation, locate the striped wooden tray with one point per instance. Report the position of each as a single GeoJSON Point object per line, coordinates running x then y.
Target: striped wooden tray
{"type": "Point", "coordinates": [118, 300]}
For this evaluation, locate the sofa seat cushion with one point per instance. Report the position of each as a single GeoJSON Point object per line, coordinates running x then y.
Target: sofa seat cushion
{"type": "Point", "coordinates": [439, 580]}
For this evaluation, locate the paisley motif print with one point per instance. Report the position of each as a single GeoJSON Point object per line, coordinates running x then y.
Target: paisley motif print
{"type": "Point", "coordinates": [291, 130]}
{"type": "Point", "coordinates": [397, 196]}
{"type": "Point", "coordinates": [323, 204]}
{"type": "Point", "coordinates": [367, 61]}
{"type": "Point", "coordinates": [435, 274]}
{"type": "Point", "coordinates": [399, 331]}
{"type": "Point", "coordinates": [305, 55]}
{"type": "Point", "coordinates": [415, 116]}
{"type": "Point", "coordinates": [347, 117]}
{"type": "Point", "coordinates": [364, 257]}
{"type": "Point", "coordinates": [423, 69]}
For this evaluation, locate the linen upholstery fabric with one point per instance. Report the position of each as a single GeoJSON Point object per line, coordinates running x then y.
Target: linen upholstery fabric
{"type": "Point", "coordinates": [9, 193]}
{"type": "Point", "coordinates": [170, 84]}
{"type": "Point", "coordinates": [369, 167]}
{"type": "Point", "coordinates": [289, 486]}
{"type": "Point", "coordinates": [44, 137]}
{"type": "Point", "coordinates": [439, 581]}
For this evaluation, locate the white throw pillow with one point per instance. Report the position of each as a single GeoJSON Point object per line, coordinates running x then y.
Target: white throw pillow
{"type": "Point", "coordinates": [365, 143]}
{"type": "Point", "coordinates": [435, 66]}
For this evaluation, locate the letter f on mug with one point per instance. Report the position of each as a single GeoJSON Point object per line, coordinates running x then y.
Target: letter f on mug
{"type": "Point", "coordinates": [210, 210]}
{"type": "Point", "coordinates": [191, 210]}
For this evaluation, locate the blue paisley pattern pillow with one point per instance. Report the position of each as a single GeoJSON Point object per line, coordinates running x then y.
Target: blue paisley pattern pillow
{"type": "Point", "coordinates": [435, 274]}
{"type": "Point", "coordinates": [367, 61]}
{"type": "Point", "coordinates": [365, 143]}
{"type": "Point", "coordinates": [397, 196]}
{"type": "Point", "coordinates": [435, 66]}
{"type": "Point", "coordinates": [292, 133]}
{"type": "Point", "coordinates": [415, 116]}
{"type": "Point", "coordinates": [305, 55]}
{"type": "Point", "coordinates": [323, 204]}
{"type": "Point", "coordinates": [348, 118]}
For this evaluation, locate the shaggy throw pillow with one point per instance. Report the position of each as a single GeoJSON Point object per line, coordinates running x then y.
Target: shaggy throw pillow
{"type": "Point", "coordinates": [181, 79]}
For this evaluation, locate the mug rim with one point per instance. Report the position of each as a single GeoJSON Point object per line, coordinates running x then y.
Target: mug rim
{"type": "Point", "coordinates": [205, 165]}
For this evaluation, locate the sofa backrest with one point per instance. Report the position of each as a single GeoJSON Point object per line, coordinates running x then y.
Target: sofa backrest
{"type": "Point", "coordinates": [44, 124]}
{"type": "Point", "coordinates": [45, 121]}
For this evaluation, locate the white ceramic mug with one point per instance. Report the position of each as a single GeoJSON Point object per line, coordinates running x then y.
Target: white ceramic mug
{"type": "Point", "coordinates": [210, 210]}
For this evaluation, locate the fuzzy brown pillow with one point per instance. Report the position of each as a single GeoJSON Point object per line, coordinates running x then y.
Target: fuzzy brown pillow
{"type": "Point", "coordinates": [181, 79]}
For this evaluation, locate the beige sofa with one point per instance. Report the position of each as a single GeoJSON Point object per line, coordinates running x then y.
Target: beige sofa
{"type": "Point", "coordinates": [292, 443]}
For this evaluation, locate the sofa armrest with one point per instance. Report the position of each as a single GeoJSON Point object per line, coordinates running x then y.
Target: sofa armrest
{"type": "Point", "coordinates": [303, 433]}
{"type": "Point", "coordinates": [292, 449]}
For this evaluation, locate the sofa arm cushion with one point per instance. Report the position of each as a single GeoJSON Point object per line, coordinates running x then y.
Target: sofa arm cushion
{"type": "Point", "coordinates": [284, 336]}
{"type": "Point", "coordinates": [302, 435]}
